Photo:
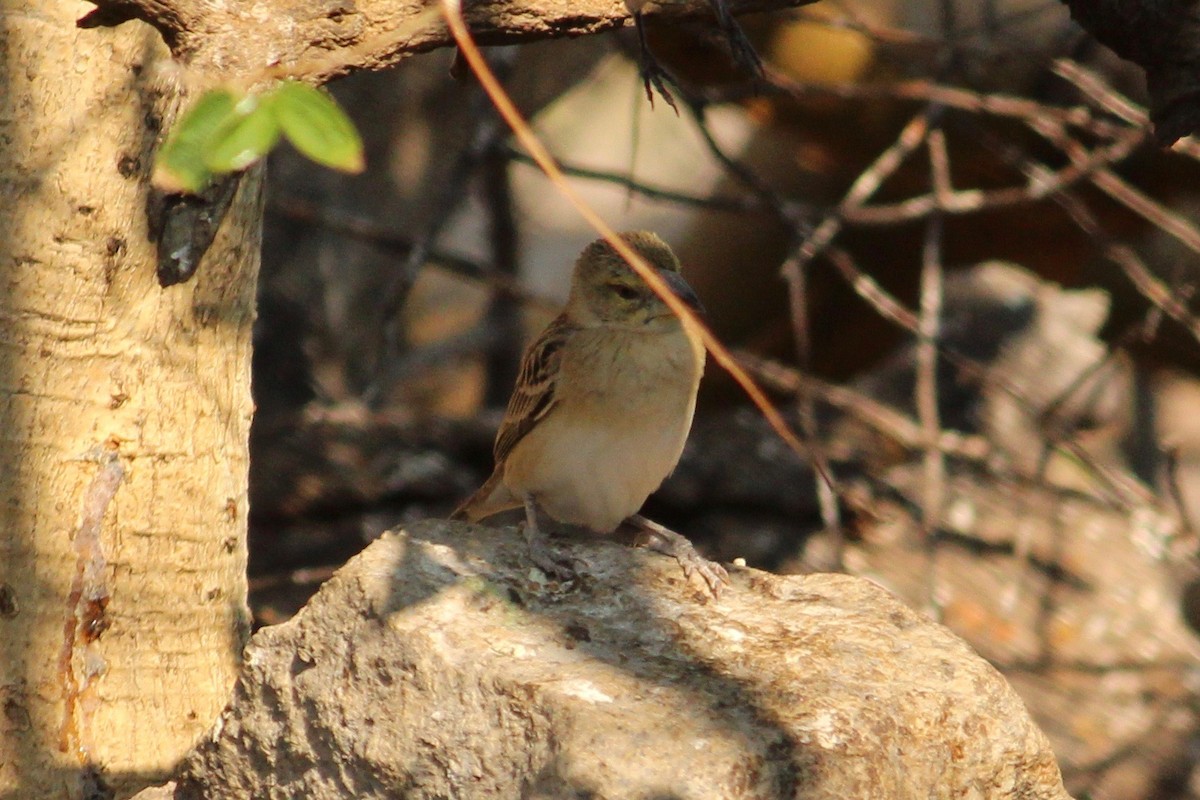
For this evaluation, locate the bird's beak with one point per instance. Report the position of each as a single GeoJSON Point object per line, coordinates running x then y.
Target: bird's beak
{"type": "Point", "coordinates": [682, 290]}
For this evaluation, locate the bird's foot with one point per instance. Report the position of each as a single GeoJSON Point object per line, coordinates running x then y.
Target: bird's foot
{"type": "Point", "coordinates": [556, 566]}
{"type": "Point", "coordinates": [541, 553]}
{"type": "Point", "coordinates": [742, 50]}
{"type": "Point", "coordinates": [662, 539]}
{"type": "Point", "coordinates": [654, 77]}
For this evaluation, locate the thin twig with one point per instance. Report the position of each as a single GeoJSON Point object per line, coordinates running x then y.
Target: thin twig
{"type": "Point", "coordinates": [384, 238]}
{"type": "Point", "coordinates": [1123, 256]}
{"type": "Point", "coordinates": [961, 42]}
{"type": "Point", "coordinates": [928, 334]}
{"type": "Point", "coordinates": [796, 277]}
{"type": "Point", "coordinates": [1124, 492]}
{"type": "Point", "coordinates": [733, 205]}
{"type": "Point", "coordinates": [911, 136]}
{"type": "Point", "coordinates": [880, 418]}
{"type": "Point", "coordinates": [503, 315]}
{"type": "Point", "coordinates": [1118, 189]}
{"type": "Point", "coordinates": [869, 289]}
{"type": "Point", "coordinates": [1039, 185]}
{"type": "Point", "coordinates": [1153, 289]}
{"type": "Point", "coordinates": [745, 175]}
{"type": "Point", "coordinates": [452, 194]}
{"type": "Point", "coordinates": [1102, 94]}
{"type": "Point", "coordinates": [972, 102]}
{"type": "Point", "coordinates": [1099, 92]}
{"type": "Point", "coordinates": [1148, 208]}
{"type": "Point", "coordinates": [1178, 499]}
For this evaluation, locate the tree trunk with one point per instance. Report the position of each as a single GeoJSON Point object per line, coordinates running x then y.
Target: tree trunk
{"type": "Point", "coordinates": [124, 416]}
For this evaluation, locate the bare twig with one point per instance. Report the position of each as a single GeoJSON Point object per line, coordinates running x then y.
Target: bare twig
{"type": "Point", "coordinates": [1125, 257]}
{"type": "Point", "coordinates": [928, 332]}
{"type": "Point", "coordinates": [733, 205]}
{"type": "Point", "coordinates": [1187, 520]}
{"type": "Point", "coordinates": [871, 292]}
{"type": "Point", "coordinates": [1099, 92]}
{"type": "Point", "coordinates": [384, 238]}
{"type": "Point", "coordinates": [1124, 492]}
{"type": "Point", "coordinates": [955, 97]}
{"type": "Point", "coordinates": [1175, 225]}
{"type": "Point", "coordinates": [745, 175]}
{"type": "Point", "coordinates": [1118, 189]}
{"type": "Point", "coordinates": [964, 40]}
{"type": "Point", "coordinates": [1102, 94]}
{"type": "Point", "coordinates": [882, 419]}
{"type": "Point", "coordinates": [1148, 208]}
{"type": "Point", "coordinates": [503, 315]}
{"type": "Point", "coordinates": [1153, 289]}
{"type": "Point", "coordinates": [796, 277]}
{"type": "Point", "coordinates": [911, 136]}
{"type": "Point", "coordinates": [451, 195]}
{"type": "Point", "coordinates": [1039, 185]}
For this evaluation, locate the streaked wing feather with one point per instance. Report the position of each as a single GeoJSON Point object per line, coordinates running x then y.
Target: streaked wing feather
{"type": "Point", "coordinates": [534, 397]}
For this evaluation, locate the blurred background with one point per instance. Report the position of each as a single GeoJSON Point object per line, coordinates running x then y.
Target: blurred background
{"type": "Point", "coordinates": [939, 233]}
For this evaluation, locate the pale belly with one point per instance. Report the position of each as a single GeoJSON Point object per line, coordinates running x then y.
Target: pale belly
{"type": "Point", "coordinates": [595, 459]}
{"type": "Point", "coordinates": [593, 475]}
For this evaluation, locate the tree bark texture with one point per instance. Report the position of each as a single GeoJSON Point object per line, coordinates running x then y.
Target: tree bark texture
{"type": "Point", "coordinates": [436, 664]}
{"type": "Point", "coordinates": [124, 415]}
{"type": "Point", "coordinates": [328, 38]}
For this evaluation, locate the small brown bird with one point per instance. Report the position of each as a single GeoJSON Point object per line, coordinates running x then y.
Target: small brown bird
{"type": "Point", "coordinates": [602, 408]}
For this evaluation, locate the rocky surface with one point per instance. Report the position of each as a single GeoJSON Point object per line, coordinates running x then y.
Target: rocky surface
{"type": "Point", "coordinates": [438, 664]}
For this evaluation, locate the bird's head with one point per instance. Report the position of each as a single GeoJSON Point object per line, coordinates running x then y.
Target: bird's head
{"type": "Point", "coordinates": [606, 291]}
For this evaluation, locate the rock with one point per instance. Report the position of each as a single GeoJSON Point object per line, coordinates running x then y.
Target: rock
{"type": "Point", "coordinates": [437, 663]}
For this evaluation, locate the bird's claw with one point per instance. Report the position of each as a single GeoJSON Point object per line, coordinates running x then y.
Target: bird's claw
{"type": "Point", "coordinates": [662, 539]}
{"type": "Point", "coordinates": [740, 47]}
{"type": "Point", "coordinates": [713, 574]}
{"type": "Point", "coordinates": [556, 567]}
{"type": "Point", "coordinates": [654, 77]}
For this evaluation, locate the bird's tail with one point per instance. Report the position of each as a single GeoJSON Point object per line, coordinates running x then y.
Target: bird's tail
{"type": "Point", "coordinates": [491, 498]}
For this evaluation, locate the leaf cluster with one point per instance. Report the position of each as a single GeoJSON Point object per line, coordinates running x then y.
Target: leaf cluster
{"type": "Point", "coordinates": [227, 130]}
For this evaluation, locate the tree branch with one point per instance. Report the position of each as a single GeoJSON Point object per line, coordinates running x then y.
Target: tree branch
{"type": "Point", "coordinates": [325, 39]}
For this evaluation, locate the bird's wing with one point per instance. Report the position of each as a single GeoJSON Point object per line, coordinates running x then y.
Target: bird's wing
{"type": "Point", "coordinates": [534, 395]}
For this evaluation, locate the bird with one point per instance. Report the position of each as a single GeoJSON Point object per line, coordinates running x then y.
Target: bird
{"type": "Point", "coordinates": [601, 409]}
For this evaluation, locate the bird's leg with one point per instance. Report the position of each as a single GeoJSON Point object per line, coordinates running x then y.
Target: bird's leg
{"type": "Point", "coordinates": [739, 45]}
{"type": "Point", "coordinates": [654, 77]}
{"type": "Point", "coordinates": [539, 546]}
{"type": "Point", "coordinates": [663, 540]}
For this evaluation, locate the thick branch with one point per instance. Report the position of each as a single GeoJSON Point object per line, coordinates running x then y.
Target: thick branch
{"type": "Point", "coordinates": [323, 39]}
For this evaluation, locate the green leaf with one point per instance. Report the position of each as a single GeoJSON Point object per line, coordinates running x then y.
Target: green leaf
{"type": "Point", "coordinates": [227, 131]}
{"type": "Point", "coordinates": [317, 126]}
{"type": "Point", "coordinates": [244, 137]}
{"type": "Point", "coordinates": [180, 164]}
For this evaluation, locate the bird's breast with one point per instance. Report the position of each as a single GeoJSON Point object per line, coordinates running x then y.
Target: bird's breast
{"type": "Point", "coordinates": [632, 369]}
{"type": "Point", "coordinates": [622, 414]}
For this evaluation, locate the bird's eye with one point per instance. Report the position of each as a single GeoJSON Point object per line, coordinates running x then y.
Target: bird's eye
{"type": "Point", "coordinates": [624, 292]}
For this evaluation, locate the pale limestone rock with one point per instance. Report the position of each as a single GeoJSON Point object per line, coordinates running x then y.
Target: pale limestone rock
{"type": "Point", "coordinates": [437, 664]}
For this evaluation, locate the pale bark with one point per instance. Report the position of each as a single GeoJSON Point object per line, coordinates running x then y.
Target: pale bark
{"type": "Point", "coordinates": [320, 40]}
{"type": "Point", "coordinates": [124, 415]}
